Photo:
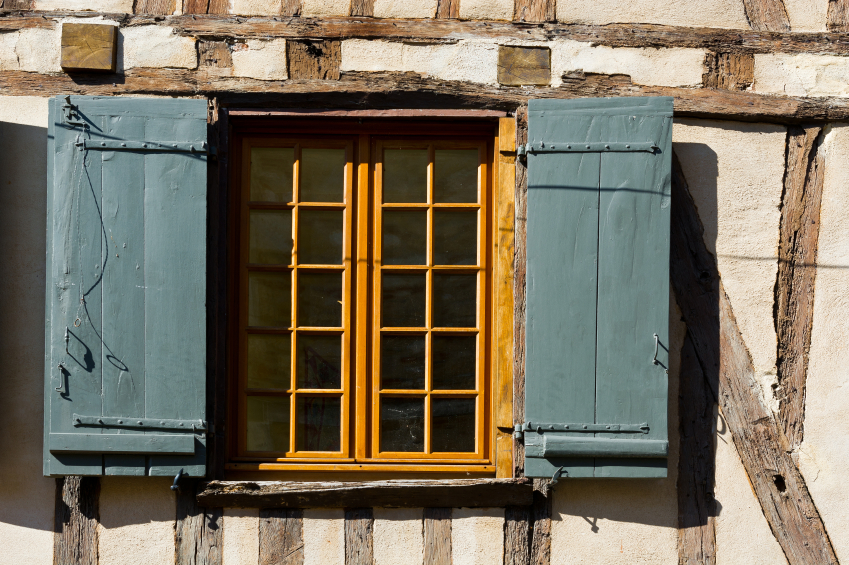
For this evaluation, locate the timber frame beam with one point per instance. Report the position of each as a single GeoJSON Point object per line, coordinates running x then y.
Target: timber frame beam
{"type": "Point", "coordinates": [452, 30]}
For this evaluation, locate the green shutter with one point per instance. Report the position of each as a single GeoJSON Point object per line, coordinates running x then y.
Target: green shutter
{"type": "Point", "coordinates": [597, 287]}
{"type": "Point", "coordinates": [126, 287]}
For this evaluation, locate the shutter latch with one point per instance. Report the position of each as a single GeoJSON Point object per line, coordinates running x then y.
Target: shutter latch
{"type": "Point", "coordinates": [71, 114]}
{"type": "Point", "coordinates": [192, 426]}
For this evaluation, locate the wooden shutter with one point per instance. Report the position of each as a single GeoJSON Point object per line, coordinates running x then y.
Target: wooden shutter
{"type": "Point", "coordinates": [597, 287]}
{"type": "Point", "coordinates": [126, 287]}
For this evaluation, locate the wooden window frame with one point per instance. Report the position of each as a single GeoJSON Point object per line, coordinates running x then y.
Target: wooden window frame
{"type": "Point", "coordinates": [495, 443]}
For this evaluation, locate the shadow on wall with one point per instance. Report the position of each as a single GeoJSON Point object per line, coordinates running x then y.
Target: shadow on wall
{"type": "Point", "coordinates": [27, 496]}
{"type": "Point", "coordinates": [640, 517]}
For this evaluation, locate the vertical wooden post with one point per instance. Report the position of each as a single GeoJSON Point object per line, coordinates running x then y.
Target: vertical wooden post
{"type": "Point", "coordinates": [359, 539]}
{"type": "Point", "coordinates": [517, 530]}
{"type": "Point", "coordinates": [75, 522]}
{"type": "Point", "coordinates": [281, 536]}
{"type": "Point", "coordinates": [198, 531]}
{"type": "Point", "coordinates": [436, 524]}
{"type": "Point", "coordinates": [541, 516]}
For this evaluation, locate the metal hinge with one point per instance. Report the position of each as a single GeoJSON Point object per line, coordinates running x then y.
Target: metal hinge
{"type": "Point", "coordinates": [193, 426]}
{"type": "Point", "coordinates": [540, 427]}
{"type": "Point", "coordinates": [164, 146]}
{"type": "Point", "coordinates": [586, 147]}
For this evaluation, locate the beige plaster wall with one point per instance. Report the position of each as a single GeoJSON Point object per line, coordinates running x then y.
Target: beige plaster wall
{"type": "Point", "coordinates": [136, 521]}
{"type": "Point", "coordinates": [807, 15]}
{"type": "Point", "coordinates": [324, 536]}
{"type": "Point", "coordinates": [824, 454]}
{"type": "Point", "coordinates": [735, 172]}
{"type": "Point", "coordinates": [804, 74]}
{"type": "Point", "coordinates": [398, 536]}
{"type": "Point", "coordinates": [404, 9]}
{"type": "Point", "coordinates": [26, 497]}
{"type": "Point", "coordinates": [477, 536]}
{"type": "Point", "coordinates": [260, 59]}
{"type": "Point", "coordinates": [708, 13]}
{"type": "Point", "coordinates": [240, 536]}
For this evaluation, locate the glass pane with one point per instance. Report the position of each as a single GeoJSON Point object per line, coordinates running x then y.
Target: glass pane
{"type": "Point", "coordinates": [271, 174]}
{"type": "Point", "coordinates": [455, 237]}
{"type": "Point", "coordinates": [454, 362]}
{"type": "Point", "coordinates": [453, 425]}
{"type": "Point", "coordinates": [320, 237]}
{"type": "Point", "coordinates": [403, 303]}
{"type": "Point", "coordinates": [271, 237]}
{"type": "Point", "coordinates": [322, 175]}
{"type": "Point", "coordinates": [405, 175]}
{"type": "Point", "coordinates": [402, 424]}
{"type": "Point", "coordinates": [455, 175]}
{"type": "Point", "coordinates": [320, 299]}
{"type": "Point", "coordinates": [269, 361]}
{"type": "Point", "coordinates": [404, 237]}
{"type": "Point", "coordinates": [454, 301]}
{"type": "Point", "coordinates": [319, 419]}
{"type": "Point", "coordinates": [402, 362]}
{"type": "Point", "coordinates": [319, 361]}
{"type": "Point", "coordinates": [270, 299]}
{"type": "Point", "coordinates": [268, 423]}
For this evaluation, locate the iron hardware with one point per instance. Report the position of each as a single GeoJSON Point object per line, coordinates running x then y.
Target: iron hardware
{"type": "Point", "coordinates": [61, 379]}
{"type": "Point", "coordinates": [587, 147]}
{"type": "Point", "coordinates": [192, 426]}
{"type": "Point", "coordinates": [165, 146]}
{"type": "Point", "coordinates": [71, 114]}
{"type": "Point", "coordinates": [539, 428]}
{"type": "Point", "coordinates": [176, 486]}
{"type": "Point", "coordinates": [557, 474]}
{"type": "Point", "coordinates": [656, 344]}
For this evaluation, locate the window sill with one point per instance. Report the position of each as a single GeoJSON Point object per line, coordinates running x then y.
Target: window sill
{"type": "Point", "coordinates": [456, 493]}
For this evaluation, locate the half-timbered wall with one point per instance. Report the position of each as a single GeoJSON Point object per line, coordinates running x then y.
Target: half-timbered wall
{"type": "Point", "coordinates": [744, 97]}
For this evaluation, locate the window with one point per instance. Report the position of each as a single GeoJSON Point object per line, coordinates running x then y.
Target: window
{"type": "Point", "coordinates": [363, 305]}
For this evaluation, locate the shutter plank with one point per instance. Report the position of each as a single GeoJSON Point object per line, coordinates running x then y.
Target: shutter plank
{"type": "Point", "coordinates": [175, 252]}
{"type": "Point", "coordinates": [561, 241]}
{"type": "Point", "coordinates": [123, 287]}
{"type": "Point", "coordinates": [76, 238]}
{"type": "Point", "coordinates": [633, 286]}
{"type": "Point", "coordinates": [127, 443]}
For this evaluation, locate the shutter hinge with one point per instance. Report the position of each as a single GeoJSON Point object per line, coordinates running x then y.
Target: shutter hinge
{"type": "Point", "coordinates": [589, 147]}
{"type": "Point", "coordinates": [193, 426]}
{"type": "Point", "coordinates": [540, 428]}
{"type": "Point", "coordinates": [163, 146]}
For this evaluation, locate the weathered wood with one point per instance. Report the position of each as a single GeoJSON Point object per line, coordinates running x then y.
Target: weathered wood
{"type": "Point", "coordinates": [314, 59]}
{"type": "Point", "coordinates": [437, 536]}
{"type": "Point", "coordinates": [730, 71]}
{"type": "Point", "coordinates": [794, 288]}
{"type": "Point", "coordinates": [763, 447]}
{"type": "Point", "coordinates": [448, 9]}
{"type": "Point", "coordinates": [519, 272]}
{"type": "Point", "coordinates": [472, 493]}
{"type": "Point", "coordinates": [157, 7]}
{"type": "Point", "coordinates": [359, 536]}
{"type": "Point", "coordinates": [541, 527]}
{"type": "Point", "coordinates": [291, 8]}
{"type": "Point", "coordinates": [838, 15]}
{"type": "Point", "coordinates": [197, 531]}
{"type": "Point", "coordinates": [696, 461]}
{"type": "Point", "coordinates": [218, 7]}
{"type": "Point", "coordinates": [18, 4]}
{"type": "Point", "coordinates": [767, 15]}
{"type": "Point", "coordinates": [362, 8]}
{"type": "Point", "coordinates": [195, 6]}
{"type": "Point", "coordinates": [89, 47]}
{"type": "Point", "coordinates": [281, 536]}
{"type": "Point", "coordinates": [518, 66]}
{"type": "Point", "coordinates": [517, 529]}
{"type": "Point", "coordinates": [534, 11]}
{"type": "Point", "coordinates": [411, 90]}
{"type": "Point", "coordinates": [214, 54]}
{"type": "Point", "coordinates": [77, 514]}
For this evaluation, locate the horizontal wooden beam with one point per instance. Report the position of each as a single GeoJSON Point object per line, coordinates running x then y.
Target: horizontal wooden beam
{"type": "Point", "coordinates": [612, 35]}
{"type": "Point", "coordinates": [410, 90]}
{"type": "Point", "coordinates": [456, 493]}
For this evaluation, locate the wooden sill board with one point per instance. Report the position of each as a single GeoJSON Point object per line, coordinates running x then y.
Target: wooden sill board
{"type": "Point", "coordinates": [455, 493]}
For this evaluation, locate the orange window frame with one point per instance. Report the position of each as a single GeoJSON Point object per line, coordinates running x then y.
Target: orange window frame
{"type": "Point", "coordinates": [361, 331]}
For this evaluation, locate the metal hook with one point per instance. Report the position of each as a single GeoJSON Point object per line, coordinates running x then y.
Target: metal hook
{"type": "Point", "coordinates": [67, 339]}
{"type": "Point", "coordinates": [176, 486]}
{"type": "Point", "coordinates": [656, 343]}
{"type": "Point", "coordinates": [61, 377]}
{"type": "Point", "coordinates": [557, 474]}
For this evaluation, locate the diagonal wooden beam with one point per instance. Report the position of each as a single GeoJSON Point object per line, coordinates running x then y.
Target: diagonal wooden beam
{"type": "Point", "coordinates": [767, 15]}
{"type": "Point", "coordinates": [794, 287]}
{"type": "Point", "coordinates": [763, 447]}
